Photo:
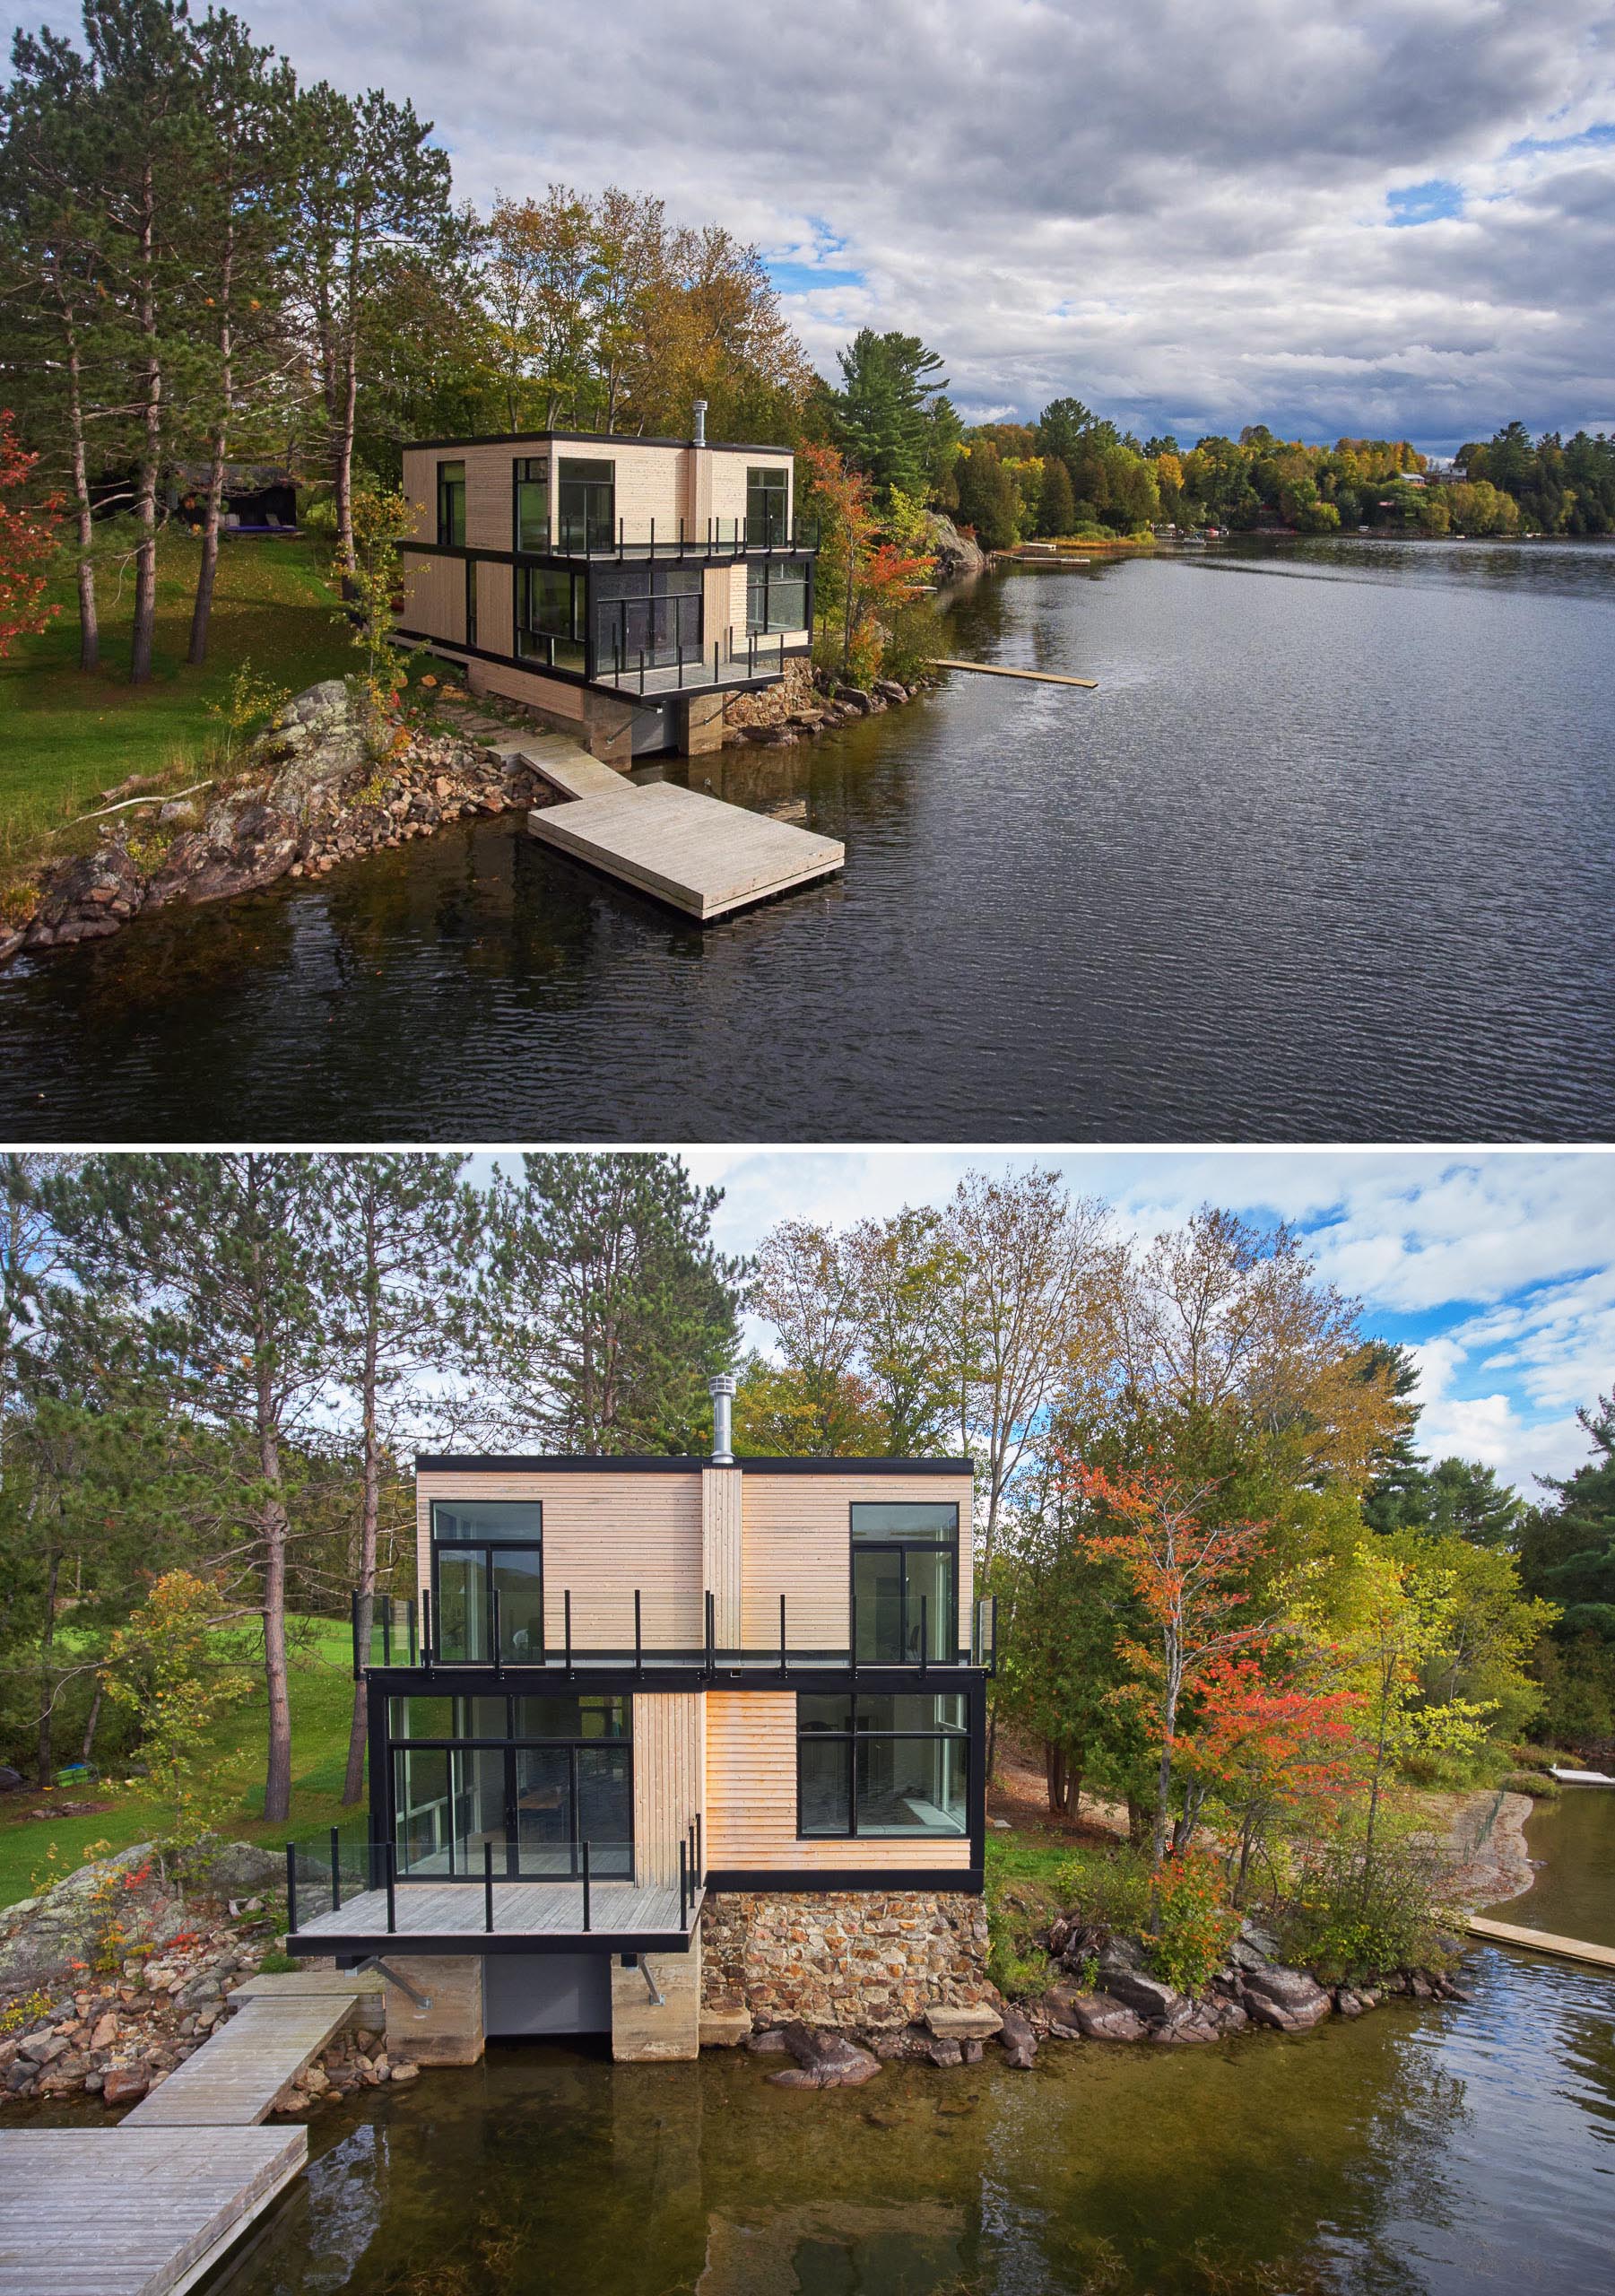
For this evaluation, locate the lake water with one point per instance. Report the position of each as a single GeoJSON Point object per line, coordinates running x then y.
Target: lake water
{"type": "Point", "coordinates": [1420, 2152]}
{"type": "Point", "coordinates": [1327, 857]}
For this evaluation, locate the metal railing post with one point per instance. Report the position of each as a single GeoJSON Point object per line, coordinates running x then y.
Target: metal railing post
{"type": "Point", "coordinates": [488, 1887]}
{"type": "Point", "coordinates": [387, 1629]}
{"type": "Point", "coordinates": [587, 1910]}
{"type": "Point", "coordinates": [622, 536]}
{"type": "Point", "coordinates": [411, 1621]}
{"type": "Point", "coordinates": [993, 1669]}
{"type": "Point", "coordinates": [291, 1889]}
{"type": "Point", "coordinates": [392, 1888]}
{"type": "Point", "coordinates": [638, 1636]}
{"type": "Point", "coordinates": [700, 1853]}
{"type": "Point", "coordinates": [496, 1629]}
{"type": "Point", "coordinates": [566, 1611]}
{"type": "Point", "coordinates": [924, 1633]}
{"type": "Point", "coordinates": [427, 1652]}
{"type": "Point", "coordinates": [335, 1874]}
{"type": "Point", "coordinates": [353, 1609]}
{"type": "Point", "coordinates": [653, 538]}
{"type": "Point", "coordinates": [683, 1888]}
{"type": "Point", "coordinates": [852, 1629]}
{"type": "Point", "coordinates": [711, 1620]}
{"type": "Point", "coordinates": [783, 1662]}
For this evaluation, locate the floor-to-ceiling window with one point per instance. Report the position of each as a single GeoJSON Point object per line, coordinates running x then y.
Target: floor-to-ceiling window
{"type": "Point", "coordinates": [451, 504]}
{"type": "Point", "coordinates": [878, 1766]}
{"type": "Point", "coordinates": [532, 1779]}
{"type": "Point", "coordinates": [530, 506]}
{"type": "Point", "coordinates": [587, 500]}
{"type": "Point", "coordinates": [768, 505]}
{"type": "Point", "coordinates": [481, 1549]}
{"type": "Point", "coordinates": [905, 1560]}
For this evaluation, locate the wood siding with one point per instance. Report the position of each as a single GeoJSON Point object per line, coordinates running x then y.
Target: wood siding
{"type": "Point", "coordinates": [721, 1515]}
{"type": "Point", "coordinates": [669, 1769]}
{"type": "Point", "coordinates": [750, 1824]}
{"type": "Point", "coordinates": [434, 597]}
{"type": "Point", "coordinates": [797, 1541]}
{"type": "Point", "coordinates": [603, 1535]}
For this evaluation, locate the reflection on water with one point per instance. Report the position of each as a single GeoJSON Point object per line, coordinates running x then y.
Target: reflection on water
{"type": "Point", "coordinates": [1322, 858]}
{"type": "Point", "coordinates": [1572, 1844]}
{"type": "Point", "coordinates": [1428, 2151]}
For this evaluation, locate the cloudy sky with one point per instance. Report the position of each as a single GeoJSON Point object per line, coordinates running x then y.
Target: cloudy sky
{"type": "Point", "coordinates": [1497, 1267]}
{"type": "Point", "coordinates": [1378, 216]}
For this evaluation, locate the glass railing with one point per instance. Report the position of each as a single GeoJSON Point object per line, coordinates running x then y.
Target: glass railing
{"type": "Point", "coordinates": [684, 538]}
{"type": "Point", "coordinates": [371, 1884]}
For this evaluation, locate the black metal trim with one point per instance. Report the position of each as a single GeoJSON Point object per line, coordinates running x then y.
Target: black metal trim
{"type": "Point", "coordinates": [675, 1463]}
{"type": "Point", "coordinates": [856, 1547]}
{"type": "Point", "coordinates": [621, 1678]}
{"type": "Point", "coordinates": [616, 437]}
{"type": "Point", "coordinates": [966, 1880]}
{"type": "Point", "coordinates": [398, 1944]}
{"type": "Point", "coordinates": [974, 1733]}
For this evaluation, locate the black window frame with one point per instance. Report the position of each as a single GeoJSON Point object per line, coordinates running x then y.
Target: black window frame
{"type": "Point", "coordinates": [511, 1744]}
{"type": "Point", "coordinates": [446, 488]}
{"type": "Point", "coordinates": [487, 1548]}
{"type": "Point", "coordinates": [529, 470]}
{"type": "Point", "coordinates": [539, 646]}
{"type": "Point", "coordinates": [766, 478]}
{"type": "Point", "coordinates": [964, 1734]}
{"type": "Point", "coordinates": [949, 1653]}
{"type": "Point", "coordinates": [769, 574]}
{"type": "Point", "coordinates": [595, 537]}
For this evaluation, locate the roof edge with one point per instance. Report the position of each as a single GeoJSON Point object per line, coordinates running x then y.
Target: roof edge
{"type": "Point", "coordinates": [604, 1463]}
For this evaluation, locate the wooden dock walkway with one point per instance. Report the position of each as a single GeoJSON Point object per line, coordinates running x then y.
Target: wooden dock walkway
{"type": "Point", "coordinates": [1002, 670]}
{"type": "Point", "coordinates": [548, 1916]}
{"type": "Point", "coordinates": [127, 2212]}
{"type": "Point", "coordinates": [1543, 1941]}
{"type": "Point", "coordinates": [236, 2076]}
{"type": "Point", "coordinates": [698, 854]}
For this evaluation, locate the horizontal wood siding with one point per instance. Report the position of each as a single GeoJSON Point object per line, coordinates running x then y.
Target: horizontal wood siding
{"type": "Point", "coordinates": [605, 1534]}
{"type": "Point", "coordinates": [496, 608]}
{"type": "Point", "coordinates": [670, 1767]}
{"type": "Point", "coordinates": [551, 695]}
{"type": "Point", "coordinates": [490, 511]}
{"type": "Point", "coordinates": [434, 597]}
{"type": "Point", "coordinates": [797, 1541]}
{"type": "Point", "coordinates": [420, 491]}
{"type": "Point", "coordinates": [751, 1798]}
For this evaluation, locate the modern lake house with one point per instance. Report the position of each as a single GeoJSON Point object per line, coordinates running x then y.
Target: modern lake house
{"type": "Point", "coordinates": [623, 586]}
{"type": "Point", "coordinates": [667, 1744]}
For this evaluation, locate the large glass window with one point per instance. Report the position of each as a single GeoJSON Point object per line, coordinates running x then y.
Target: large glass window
{"type": "Point", "coordinates": [905, 1558]}
{"type": "Point", "coordinates": [880, 1767]}
{"type": "Point", "coordinates": [768, 505]}
{"type": "Point", "coordinates": [551, 605]}
{"type": "Point", "coordinates": [451, 504]}
{"type": "Point", "coordinates": [586, 499]}
{"type": "Point", "coordinates": [532, 503]}
{"type": "Point", "coordinates": [534, 1779]}
{"type": "Point", "coordinates": [479, 1550]}
{"type": "Point", "coordinates": [776, 594]}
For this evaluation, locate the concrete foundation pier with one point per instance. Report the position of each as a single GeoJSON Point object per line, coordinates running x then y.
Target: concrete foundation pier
{"type": "Point", "coordinates": [453, 2029]}
{"type": "Point", "coordinates": [646, 2031]}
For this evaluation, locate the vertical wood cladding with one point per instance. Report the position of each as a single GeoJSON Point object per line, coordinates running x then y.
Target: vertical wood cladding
{"type": "Point", "coordinates": [670, 1764]}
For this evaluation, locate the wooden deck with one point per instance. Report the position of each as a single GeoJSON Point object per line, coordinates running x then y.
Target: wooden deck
{"type": "Point", "coordinates": [1543, 1941]}
{"type": "Point", "coordinates": [529, 1917]}
{"type": "Point", "coordinates": [697, 853]}
{"type": "Point", "coordinates": [236, 2075]}
{"type": "Point", "coordinates": [132, 2212]}
{"type": "Point", "coordinates": [1001, 670]}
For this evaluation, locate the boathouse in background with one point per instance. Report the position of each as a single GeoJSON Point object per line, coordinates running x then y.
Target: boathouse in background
{"type": "Point", "coordinates": [624, 587]}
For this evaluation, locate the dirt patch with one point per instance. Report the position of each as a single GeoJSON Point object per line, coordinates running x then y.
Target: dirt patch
{"type": "Point", "coordinates": [1018, 1794]}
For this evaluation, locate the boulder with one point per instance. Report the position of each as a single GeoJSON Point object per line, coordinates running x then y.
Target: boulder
{"type": "Point", "coordinates": [1078, 2016]}
{"type": "Point", "coordinates": [1197, 2022]}
{"type": "Point", "coordinates": [1017, 2040]}
{"type": "Point", "coordinates": [87, 899]}
{"type": "Point", "coordinates": [124, 2085]}
{"type": "Point", "coordinates": [724, 2028]}
{"type": "Point", "coordinates": [234, 1869]}
{"type": "Point", "coordinates": [1288, 1999]}
{"type": "Point", "coordinates": [1149, 1997]}
{"type": "Point", "coordinates": [43, 1935]}
{"type": "Point", "coordinates": [825, 2060]}
{"type": "Point", "coordinates": [853, 697]}
{"type": "Point", "coordinates": [949, 2023]}
{"type": "Point", "coordinates": [770, 2043]}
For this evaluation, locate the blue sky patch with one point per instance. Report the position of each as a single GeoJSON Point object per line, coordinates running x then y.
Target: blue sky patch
{"type": "Point", "coordinates": [1431, 202]}
{"type": "Point", "coordinates": [801, 278]}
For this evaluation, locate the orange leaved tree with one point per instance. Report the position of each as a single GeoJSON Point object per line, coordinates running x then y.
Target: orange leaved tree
{"type": "Point", "coordinates": [27, 543]}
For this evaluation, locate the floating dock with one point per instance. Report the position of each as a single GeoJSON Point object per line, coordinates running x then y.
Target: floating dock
{"type": "Point", "coordinates": [1001, 670]}
{"type": "Point", "coordinates": [698, 854]}
{"type": "Point", "coordinates": [235, 2078]}
{"type": "Point", "coordinates": [1543, 1941]}
{"type": "Point", "coordinates": [125, 2212]}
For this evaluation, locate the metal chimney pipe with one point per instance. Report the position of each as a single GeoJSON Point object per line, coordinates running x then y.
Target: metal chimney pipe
{"type": "Point", "coordinates": [722, 1391]}
{"type": "Point", "coordinates": [700, 422]}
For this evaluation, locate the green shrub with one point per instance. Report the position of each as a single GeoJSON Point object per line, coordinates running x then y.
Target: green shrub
{"type": "Point", "coordinates": [1348, 1920]}
{"type": "Point", "coordinates": [1105, 1889]}
{"type": "Point", "coordinates": [914, 643]}
{"type": "Point", "coordinates": [275, 1963]}
{"type": "Point", "coordinates": [1530, 1757]}
{"type": "Point", "coordinates": [1534, 1782]}
{"type": "Point", "coordinates": [1194, 1929]}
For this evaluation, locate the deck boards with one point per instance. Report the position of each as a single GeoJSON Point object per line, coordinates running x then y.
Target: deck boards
{"type": "Point", "coordinates": [1543, 1941]}
{"type": "Point", "coordinates": [236, 2076]}
{"type": "Point", "coordinates": [697, 853]}
{"type": "Point", "coordinates": [126, 2212]}
{"type": "Point", "coordinates": [520, 1910]}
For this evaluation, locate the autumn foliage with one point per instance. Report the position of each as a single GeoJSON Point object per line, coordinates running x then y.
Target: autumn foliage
{"type": "Point", "coordinates": [27, 543]}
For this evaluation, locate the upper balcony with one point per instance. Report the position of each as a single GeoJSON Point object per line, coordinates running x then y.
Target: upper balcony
{"type": "Point", "coordinates": [669, 540]}
{"type": "Point", "coordinates": [426, 1638]}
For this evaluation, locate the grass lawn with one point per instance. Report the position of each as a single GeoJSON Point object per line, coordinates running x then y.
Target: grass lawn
{"type": "Point", "coordinates": [69, 736]}
{"type": "Point", "coordinates": [321, 1704]}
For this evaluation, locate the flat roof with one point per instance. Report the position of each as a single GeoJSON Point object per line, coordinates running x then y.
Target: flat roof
{"type": "Point", "coordinates": [599, 438]}
{"type": "Point", "coordinates": [603, 1462]}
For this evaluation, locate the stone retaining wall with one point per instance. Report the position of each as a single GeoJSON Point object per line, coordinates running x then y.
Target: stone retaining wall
{"type": "Point", "coordinates": [874, 1960]}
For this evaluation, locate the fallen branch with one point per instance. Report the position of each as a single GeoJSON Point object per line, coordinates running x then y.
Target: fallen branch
{"type": "Point", "coordinates": [158, 797]}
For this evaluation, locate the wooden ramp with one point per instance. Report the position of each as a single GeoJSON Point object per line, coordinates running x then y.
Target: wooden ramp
{"type": "Point", "coordinates": [1543, 1941]}
{"type": "Point", "coordinates": [126, 2212]}
{"type": "Point", "coordinates": [697, 853]}
{"type": "Point", "coordinates": [1001, 670]}
{"type": "Point", "coordinates": [236, 2076]}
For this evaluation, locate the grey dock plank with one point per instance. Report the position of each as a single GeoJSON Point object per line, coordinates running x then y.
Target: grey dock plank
{"type": "Point", "coordinates": [695, 852]}
{"type": "Point", "coordinates": [1002, 670]}
{"type": "Point", "coordinates": [236, 2076]}
{"type": "Point", "coordinates": [1543, 1941]}
{"type": "Point", "coordinates": [122, 2212]}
